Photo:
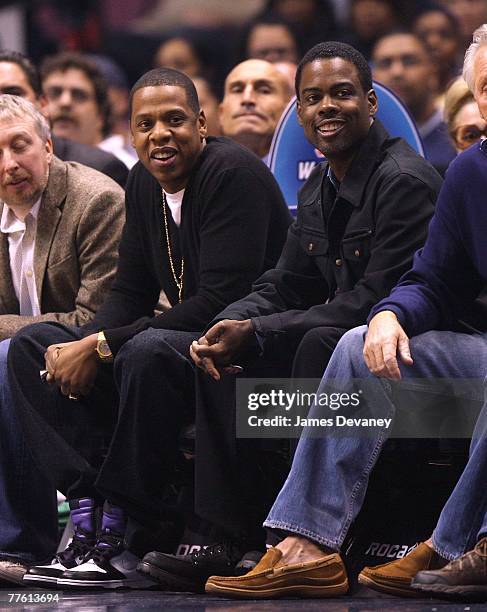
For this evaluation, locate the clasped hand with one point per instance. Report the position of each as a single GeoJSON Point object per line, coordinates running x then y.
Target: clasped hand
{"type": "Point", "coordinates": [72, 366]}
{"type": "Point", "coordinates": [220, 346]}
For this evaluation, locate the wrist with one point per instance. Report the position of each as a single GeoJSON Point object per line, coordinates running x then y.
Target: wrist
{"type": "Point", "coordinates": [246, 327]}
{"type": "Point", "coordinates": [89, 343]}
{"type": "Point", "coordinates": [386, 314]}
{"type": "Point", "coordinates": [102, 349]}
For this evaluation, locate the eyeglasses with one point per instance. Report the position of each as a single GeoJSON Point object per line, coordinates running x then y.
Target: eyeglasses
{"type": "Point", "coordinates": [466, 135]}
{"type": "Point", "coordinates": [54, 92]}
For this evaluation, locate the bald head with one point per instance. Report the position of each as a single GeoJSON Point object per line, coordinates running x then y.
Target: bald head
{"type": "Point", "coordinates": [256, 93]}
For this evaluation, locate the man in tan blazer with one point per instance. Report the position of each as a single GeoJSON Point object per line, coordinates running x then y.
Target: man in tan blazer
{"type": "Point", "coordinates": [60, 223]}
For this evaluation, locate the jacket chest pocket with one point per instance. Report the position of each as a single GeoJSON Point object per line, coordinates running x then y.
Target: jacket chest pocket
{"type": "Point", "coordinates": [355, 247]}
{"type": "Point", "coordinates": [314, 244]}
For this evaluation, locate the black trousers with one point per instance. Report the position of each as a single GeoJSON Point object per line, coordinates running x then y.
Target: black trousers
{"type": "Point", "coordinates": [119, 442]}
{"type": "Point", "coordinates": [235, 485]}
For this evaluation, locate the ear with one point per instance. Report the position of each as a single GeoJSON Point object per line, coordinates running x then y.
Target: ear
{"type": "Point", "coordinates": [372, 102]}
{"type": "Point", "coordinates": [43, 106]}
{"type": "Point", "coordinates": [49, 149]}
{"type": "Point", "coordinates": [202, 127]}
{"type": "Point", "coordinates": [299, 111]}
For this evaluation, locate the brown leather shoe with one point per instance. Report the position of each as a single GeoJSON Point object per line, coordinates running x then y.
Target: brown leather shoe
{"type": "Point", "coordinates": [11, 569]}
{"type": "Point", "coordinates": [466, 577]}
{"type": "Point", "coordinates": [395, 577]}
{"type": "Point", "coordinates": [325, 577]}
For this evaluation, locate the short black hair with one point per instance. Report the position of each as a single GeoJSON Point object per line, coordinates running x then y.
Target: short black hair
{"type": "Point", "coordinates": [438, 8]}
{"type": "Point", "coordinates": [167, 76]}
{"type": "Point", "coordinates": [330, 50]}
{"type": "Point", "coordinates": [27, 67]}
{"type": "Point", "coordinates": [402, 32]}
{"type": "Point", "coordinates": [63, 62]}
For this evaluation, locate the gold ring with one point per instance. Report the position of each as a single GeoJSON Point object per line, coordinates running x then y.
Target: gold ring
{"type": "Point", "coordinates": [73, 396]}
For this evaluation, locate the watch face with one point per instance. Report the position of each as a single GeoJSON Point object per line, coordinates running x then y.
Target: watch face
{"type": "Point", "coordinates": [104, 349]}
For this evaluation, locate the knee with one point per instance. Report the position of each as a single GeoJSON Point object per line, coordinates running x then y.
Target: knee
{"type": "Point", "coordinates": [143, 351]}
{"type": "Point", "coordinates": [351, 346]}
{"type": "Point", "coordinates": [313, 339]}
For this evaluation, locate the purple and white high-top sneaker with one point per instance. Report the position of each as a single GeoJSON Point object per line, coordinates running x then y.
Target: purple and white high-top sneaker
{"type": "Point", "coordinates": [83, 517]}
{"type": "Point", "coordinates": [109, 565]}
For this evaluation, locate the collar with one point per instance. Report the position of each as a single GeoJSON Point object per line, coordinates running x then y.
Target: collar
{"type": "Point", "coordinates": [364, 163]}
{"type": "Point", "coordinates": [332, 178]}
{"type": "Point", "coordinates": [10, 224]}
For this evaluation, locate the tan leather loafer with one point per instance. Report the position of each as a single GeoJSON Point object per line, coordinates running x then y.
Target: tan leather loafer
{"type": "Point", "coordinates": [325, 577]}
{"type": "Point", "coordinates": [395, 577]}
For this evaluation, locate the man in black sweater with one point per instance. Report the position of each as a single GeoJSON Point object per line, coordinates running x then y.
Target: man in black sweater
{"type": "Point", "coordinates": [204, 217]}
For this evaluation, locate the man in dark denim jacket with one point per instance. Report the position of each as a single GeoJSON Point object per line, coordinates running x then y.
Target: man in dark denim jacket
{"type": "Point", "coordinates": [360, 218]}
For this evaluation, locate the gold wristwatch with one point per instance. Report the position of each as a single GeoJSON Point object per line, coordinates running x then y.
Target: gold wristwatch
{"type": "Point", "coordinates": [103, 351]}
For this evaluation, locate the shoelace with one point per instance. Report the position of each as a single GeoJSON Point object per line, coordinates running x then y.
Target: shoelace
{"type": "Point", "coordinates": [107, 545]}
{"type": "Point", "coordinates": [78, 547]}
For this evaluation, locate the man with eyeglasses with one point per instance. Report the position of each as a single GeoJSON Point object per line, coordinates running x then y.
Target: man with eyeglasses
{"type": "Point", "coordinates": [402, 63]}
{"type": "Point", "coordinates": [19, 77]}
{"type": "Point", "coordinates": [77, 101]}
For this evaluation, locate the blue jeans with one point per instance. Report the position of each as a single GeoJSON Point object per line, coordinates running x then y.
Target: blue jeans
{"type": "Point", "coordinates": [329, 475]}
{"type": "Point", "coordinates": [28, 511]}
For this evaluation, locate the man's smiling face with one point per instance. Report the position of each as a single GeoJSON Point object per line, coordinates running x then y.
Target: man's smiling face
{"type": "Point", "coordinates": [333, 108]}
{"type": "Point", "coordinates": [167, 134]}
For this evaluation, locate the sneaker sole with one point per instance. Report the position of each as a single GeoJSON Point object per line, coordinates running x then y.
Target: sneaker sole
{"type": "Point", "coordinates": [281, 591]}
{"type": "Point", "coordinates": [105, 584]}
{"type": "Point", "coordinates": [40, 580]}
{"type": "Point", "coordinates": [471, 591]}
{"type": "Point", "coordinates": [385, 588]}
{"type": "Point", "coordinates": [170, 581]}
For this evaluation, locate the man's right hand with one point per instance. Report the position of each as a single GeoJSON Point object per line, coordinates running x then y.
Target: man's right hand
{"type": "Point", "coordinates": [385, 340]}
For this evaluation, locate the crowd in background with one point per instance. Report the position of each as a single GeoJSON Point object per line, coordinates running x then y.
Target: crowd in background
{"type": "Point", "coordinates": [206, 39]}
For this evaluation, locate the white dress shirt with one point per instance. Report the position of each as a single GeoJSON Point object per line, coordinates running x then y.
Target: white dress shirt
{"type": "Point", "coordinates": [21, 245]}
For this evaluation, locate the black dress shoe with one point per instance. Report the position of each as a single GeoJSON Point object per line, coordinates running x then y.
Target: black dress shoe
{"type": "Point", "coordinates": [190, 572]}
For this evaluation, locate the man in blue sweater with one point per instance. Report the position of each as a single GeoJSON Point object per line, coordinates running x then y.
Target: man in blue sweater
{"type": "Point", "coordinates": [417, 335]}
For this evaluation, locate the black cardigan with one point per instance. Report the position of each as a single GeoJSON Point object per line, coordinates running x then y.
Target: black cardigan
{"type": "Point", "coordinates": [233, 226]}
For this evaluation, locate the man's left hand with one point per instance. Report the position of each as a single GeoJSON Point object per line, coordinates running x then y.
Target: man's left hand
{"type": "Point", "coordinates": [74, 367]}
{"type": "Point", "coordinates": [221, 344]}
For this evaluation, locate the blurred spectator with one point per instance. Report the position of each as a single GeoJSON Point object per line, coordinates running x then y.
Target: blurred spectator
{"type": "Point", "coordinates": [19, 77]}
{"type": "Point", "coordinates": [66, 25]}
{"type": "Point", "coordinates": [118, 96]}
{"type": "Point", "coordinates": [209, 103]}
{"type": "Point", "coordinates": [255, 96]}
{"type": "Point", "coordinates": [369, 20]}
{"type": "Point", "coordinates": [288, 69]}
{"type": "Point", "coordinates": [439, 30]}
{"type": "Point", "coordinates": [169, 14]}
{"type": "Point", "coordinates": [272, 40]}
{"type": "Point", "coordinates": [462, 116]}
{"type": "Point", "coordinates": [402, 62]}
{"type": "Point", "coordinates": [78, 102]}
{"type": "Point", "coordinates": [312, 20]}
{"type": "Point", "coordinates": [180, 54]}
{"type": "Point", "coordinates": [470, 15]}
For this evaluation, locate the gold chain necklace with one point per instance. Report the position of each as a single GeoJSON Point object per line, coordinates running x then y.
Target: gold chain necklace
{"type": "Point", "coordinates": [177, 279]}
